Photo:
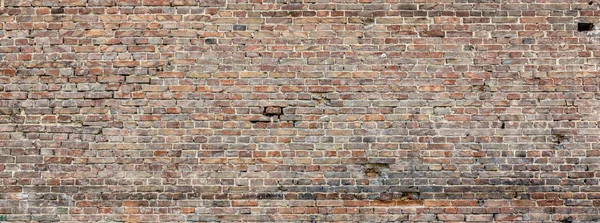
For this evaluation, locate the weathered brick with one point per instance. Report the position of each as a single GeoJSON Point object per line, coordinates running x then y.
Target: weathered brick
{"type": "Point", "coordinates": [299, 111]}
{"type": "Point", "coordinates": [137, 79]}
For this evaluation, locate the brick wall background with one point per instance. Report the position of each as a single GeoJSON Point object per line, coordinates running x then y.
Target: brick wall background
{"type": "Point", "coordinates": [299, 110]}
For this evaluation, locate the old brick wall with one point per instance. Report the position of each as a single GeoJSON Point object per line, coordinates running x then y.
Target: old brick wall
{"type": "Point", "coordinates": [299, 110]}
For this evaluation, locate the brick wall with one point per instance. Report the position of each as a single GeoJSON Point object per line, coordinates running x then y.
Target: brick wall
{"type": "Point", "coordinates": [299, 110]}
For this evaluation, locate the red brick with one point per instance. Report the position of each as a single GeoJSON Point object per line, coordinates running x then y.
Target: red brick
{"type": "Point", "coordinates": [299, 111]}
{"type": "Point", "coordinates": [141, 48]}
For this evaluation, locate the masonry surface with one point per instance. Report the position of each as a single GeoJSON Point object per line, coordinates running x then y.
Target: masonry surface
{"type": "Point", "coordinates": [299, 110]}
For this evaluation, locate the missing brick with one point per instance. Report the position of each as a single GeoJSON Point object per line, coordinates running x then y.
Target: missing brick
{"type": "Point", "coordinates": [585, 26]}
{"type": "Point", "coordinates": [272, 112]}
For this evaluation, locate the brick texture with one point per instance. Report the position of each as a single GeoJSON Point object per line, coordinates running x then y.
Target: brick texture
{"type": "Point", "coordinates": [299, 110]}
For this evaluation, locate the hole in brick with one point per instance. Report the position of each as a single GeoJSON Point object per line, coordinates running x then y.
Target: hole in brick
{"type": "Point", "coordinates": [584, 26]}
{"type": "Point", "coordinates": [567, 219]}
{"type": "Point", "coordinates": [259, 121]}
{"type": "Point", "coordinates": [559, 138]}
{"type": "Point", "coordinates": [210, 41]}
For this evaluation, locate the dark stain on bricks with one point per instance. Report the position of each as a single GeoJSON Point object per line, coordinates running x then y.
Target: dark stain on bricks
{"type": "Point", "coordinates": [307, 196]}
{"type": "Point", "coordinates": [528, 41]}
{"type": "Point", "coordinates": [60, 10]}
{"type": "Point", "coordinates": [210, 41]}
{"type": "Point", "coordinates": [294, 13]}
{"type": "Point", "coordinates": [269, 196]}
{"type": "Point", "coordinates": [239, 27]}
{"type": "Point", "coordinates": [368, 20]}
{"type": "Point", "coordinates": [402, 196]}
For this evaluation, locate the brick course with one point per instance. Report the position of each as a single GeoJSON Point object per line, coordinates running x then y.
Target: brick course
{"type": "Point", "coordinates": [299, 110]}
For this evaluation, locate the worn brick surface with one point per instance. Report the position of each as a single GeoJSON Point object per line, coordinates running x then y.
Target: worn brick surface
{"type": "Point", "coordinates": [299, 110]}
